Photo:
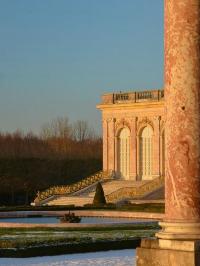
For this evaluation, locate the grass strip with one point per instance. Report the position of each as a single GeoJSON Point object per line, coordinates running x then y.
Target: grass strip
{"type": "Point", "coordinates": [142, 207]}
{"type": "Point", "coordinates": [87, 229]}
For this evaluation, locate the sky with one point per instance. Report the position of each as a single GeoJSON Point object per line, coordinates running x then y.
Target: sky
{"type": "Point", "coordinates": [57, 57]}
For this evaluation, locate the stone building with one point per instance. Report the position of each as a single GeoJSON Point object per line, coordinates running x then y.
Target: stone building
{"type": "Point", "coordinates": [133, 134]}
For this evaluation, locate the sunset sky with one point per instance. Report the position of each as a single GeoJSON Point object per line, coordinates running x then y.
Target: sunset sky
{"type": "Point", "coordinates": [58, 56]}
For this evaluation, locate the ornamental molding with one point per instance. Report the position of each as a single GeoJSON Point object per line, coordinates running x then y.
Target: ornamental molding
{"type": "Point", "coordinates": [108, 120]}
{"type": "Point", "coordinates": [134, 118]}
{"type": "Point", "coordinates": [157, 118]}
{"type": "Point", "coordinates": [111, 120]}
{"type": "Point", "coordinates": [145, 121]}
{"type": "Point", "coordinates": [122, 124]}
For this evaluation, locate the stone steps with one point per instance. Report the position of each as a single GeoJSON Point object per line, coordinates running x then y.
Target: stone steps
{"type": "Point", "coordinates": [112, 186]}
{"type": "Point", "coordinates": [87, 196]}
{"type": "Point", "coordinates": [70, 200]}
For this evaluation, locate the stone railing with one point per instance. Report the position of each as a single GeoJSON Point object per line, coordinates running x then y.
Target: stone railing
{"type": "Point", "coordinates": [133, 97]}
{"type": "Point", "coordinates": [66, 190]}
{"type": "Point", "coordinates": [135, 191]}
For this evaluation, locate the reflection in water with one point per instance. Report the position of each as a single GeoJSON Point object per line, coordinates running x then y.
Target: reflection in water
{"type": "Point", "coordinates": [49, 220]}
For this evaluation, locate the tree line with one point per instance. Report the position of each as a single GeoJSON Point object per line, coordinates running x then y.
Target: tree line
{"type": "Point", "coordinates": [61, 154]}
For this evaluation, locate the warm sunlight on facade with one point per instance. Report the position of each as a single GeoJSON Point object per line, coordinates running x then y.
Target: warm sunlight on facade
{"type": "Point", "coordinates": [133, 134]}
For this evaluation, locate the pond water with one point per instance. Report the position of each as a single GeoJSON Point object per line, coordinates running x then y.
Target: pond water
{"type": "Point", "coordinates": [90, 220]}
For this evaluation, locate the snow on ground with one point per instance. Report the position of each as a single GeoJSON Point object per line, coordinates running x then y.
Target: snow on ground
{"type": "Point", "coordinates": [124, 257]}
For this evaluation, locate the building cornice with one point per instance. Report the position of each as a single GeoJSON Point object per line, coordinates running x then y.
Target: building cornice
{"type": "Point", "coordinates": [130, 106]}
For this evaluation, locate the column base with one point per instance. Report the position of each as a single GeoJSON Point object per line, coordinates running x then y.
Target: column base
{"type": "Point", "coordinates": [160, 252]}
{"type": "Point", "coordinates": [179, 231]}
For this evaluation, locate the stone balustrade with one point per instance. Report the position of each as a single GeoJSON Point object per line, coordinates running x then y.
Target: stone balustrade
{"type": "Point", "coordinates": [135, 191]}
{"type": "Point", "coordinates": [67, 190]}
{"type": "Point", "coordinates": [133, 97]}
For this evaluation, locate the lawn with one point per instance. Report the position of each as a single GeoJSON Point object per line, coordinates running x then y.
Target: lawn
{"type": "Point", "coordinates": [35, 237]}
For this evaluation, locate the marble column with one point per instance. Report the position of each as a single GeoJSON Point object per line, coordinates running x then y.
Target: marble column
{"type": "Point", "coordinates": [133, 149]}
{"type": "Point", "coordinates": [178, 243]}
{"type": "Point", "coordinates": [105, 144]}
{"type": "Point", "coordinates": [182, 114]}
{"type": "Point", "coordinates": [162, 152]}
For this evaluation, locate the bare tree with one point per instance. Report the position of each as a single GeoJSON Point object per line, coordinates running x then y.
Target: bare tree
{"type": "Point", "coordinates": [57, 133]}
{"type": "Point", "coordinates": [57, 128]}
{"type": "Point", "coordinates": [81, 130]}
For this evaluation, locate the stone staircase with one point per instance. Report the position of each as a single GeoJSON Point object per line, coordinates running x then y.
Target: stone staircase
{"type": "Point", "coordinates": [115, 191]}
{"type": "Point", "coordinates": [114, 185]}
{"type": "Point", "coordinates": [86, 196]}
{"type": "Point", "coordinates": [70, 200]}
{"type": "Point", "coordinates": [141, 191]}
{"type": "Point", "coordinates": [51, 194]}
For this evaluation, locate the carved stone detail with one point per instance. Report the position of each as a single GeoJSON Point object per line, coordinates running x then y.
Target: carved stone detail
{"type": "Point", "coordinates": [145, 121]}
{"type": "Point", "coordinates": [157, 117]}
{"type": "Point", "coordinates": [134, 118]}
{"type": "Point", "coordinates": [123, 123]}
{"type": "Point", "coordinates": [111, 120]}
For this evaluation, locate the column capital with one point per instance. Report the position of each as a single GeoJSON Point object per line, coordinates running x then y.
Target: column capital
{"type": "Point", "coordinates": [112, 120]}
{"type": "Point", "coordinates": [134, 118]}
{"type": "Point", "coordinates": [157, 118]}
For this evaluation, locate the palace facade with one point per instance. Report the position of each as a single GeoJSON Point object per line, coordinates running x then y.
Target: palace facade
{"type": "Point", "coordinates": [133, 134]}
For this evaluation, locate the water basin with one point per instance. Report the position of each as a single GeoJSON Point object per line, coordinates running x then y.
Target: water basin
{"type": "Point", "coordinates": [85, 220]}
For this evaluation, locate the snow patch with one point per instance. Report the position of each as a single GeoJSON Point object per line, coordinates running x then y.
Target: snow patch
{"type": "Point", "coordinates": [108, 258]}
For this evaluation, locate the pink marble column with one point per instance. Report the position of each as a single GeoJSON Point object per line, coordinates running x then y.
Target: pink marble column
{"type": "Point", "coordinates": [156, 145]}
{"type": "Point", "coordinates": [133, 149]}
{"type": "Point", "coordinates": [105, 144]}
{"type": "Point", "coordinates": [111, 132]}
{"type": "Point", "coordinates": [182, 114]}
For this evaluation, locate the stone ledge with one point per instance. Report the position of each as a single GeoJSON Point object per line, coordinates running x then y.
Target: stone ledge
{"type": "Point", "coordinates": [155, 243]}
{"type": "Point", "coordinates": [159, 252]}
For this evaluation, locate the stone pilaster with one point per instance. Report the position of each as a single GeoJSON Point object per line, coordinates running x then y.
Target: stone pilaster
{"type": "Point", "coordinates": [116, 156]}
{"type": "Point", "coordinates": [133, 149]}
{"type": "Point", "coordinates": [105, 144]}
{"type": "Point", "coordinates": [156, 145]}
{"type": "Point", "coordinates": [111, 132]}
{"type": "Point", "coordinates": [138, 176]}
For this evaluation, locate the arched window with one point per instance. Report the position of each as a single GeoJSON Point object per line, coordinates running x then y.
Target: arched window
{"type": "Point", "coordinates": [124, 154]}
{"type": "Point", "coordinates": [146, 154]}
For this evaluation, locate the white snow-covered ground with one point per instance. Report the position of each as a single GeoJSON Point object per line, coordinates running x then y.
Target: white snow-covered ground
{"type": "Point", "coordinates": [124, 257]}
